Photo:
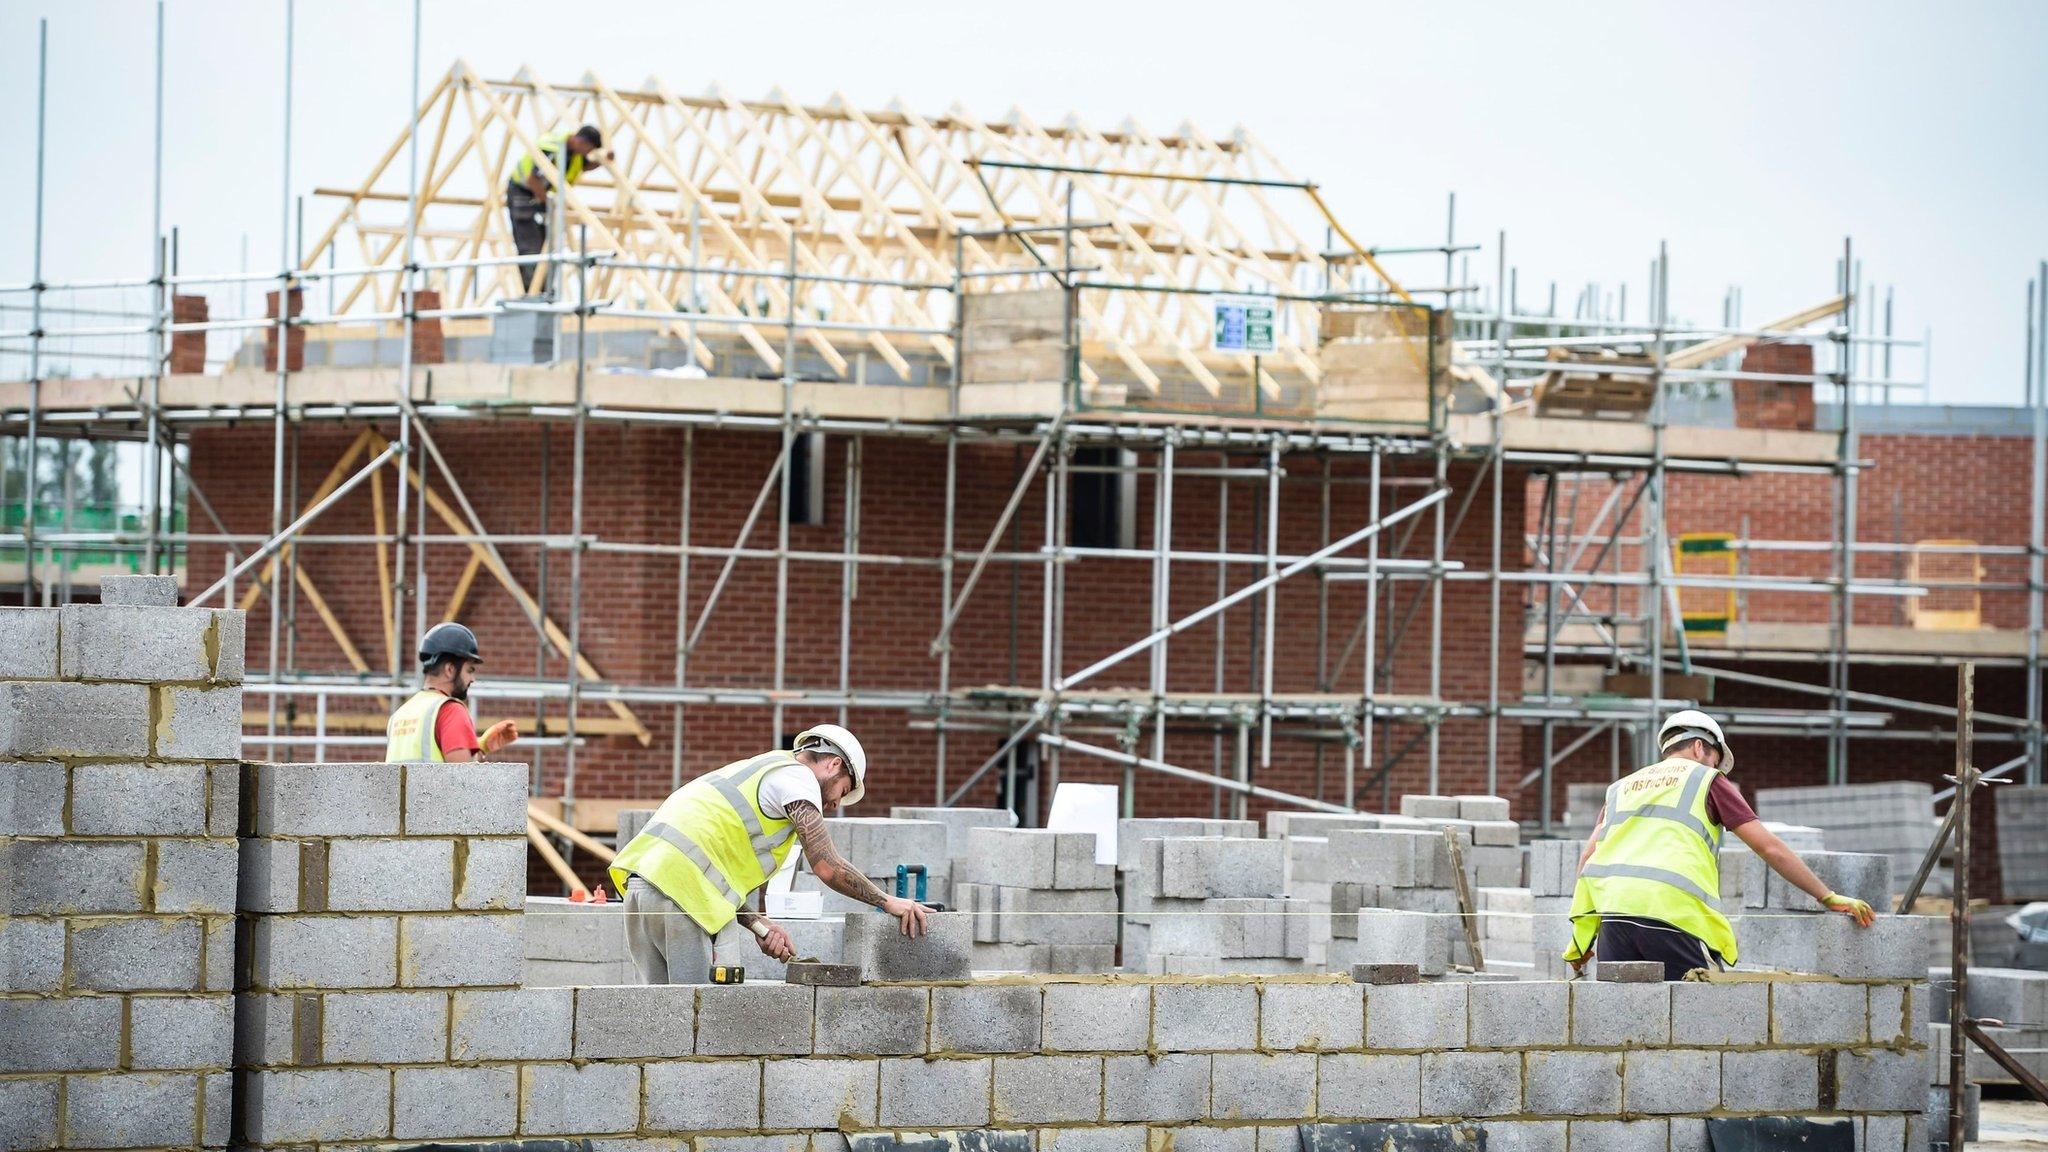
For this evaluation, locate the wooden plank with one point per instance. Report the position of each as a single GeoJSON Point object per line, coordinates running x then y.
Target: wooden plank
{"type": "Point", "coordinates": [327, 617]}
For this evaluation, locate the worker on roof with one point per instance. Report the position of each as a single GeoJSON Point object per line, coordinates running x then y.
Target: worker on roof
{"type": "Point", "coordinates": [435, 724]}
{"type": "Point", "coordinates": [526, 196]}
{"type": "Point", "coordinates": [1650, 877]}
{"type": "Point", "coordinates": [717, 840]}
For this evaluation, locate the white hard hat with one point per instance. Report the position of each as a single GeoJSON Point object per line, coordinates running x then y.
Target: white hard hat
{"type": "Point", "coordinates": [841, 743]}
{"type": "Point", "coordinates": [1692, 724]}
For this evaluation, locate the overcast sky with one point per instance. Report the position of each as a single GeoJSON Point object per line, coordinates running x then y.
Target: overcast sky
{"type": "Point", "coordinates": [1752, 137]}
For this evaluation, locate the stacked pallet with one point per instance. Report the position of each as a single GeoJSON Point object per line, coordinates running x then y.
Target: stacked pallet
{"type": "Point", "coordinates": [1039, 901]}
{"type": "Point", "coordinates": [1895, 818]}
{"type": "Point", "coordinates": [2022, 841]}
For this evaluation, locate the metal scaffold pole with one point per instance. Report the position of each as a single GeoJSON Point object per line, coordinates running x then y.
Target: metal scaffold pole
{"type": "Point", "coordinates": [2037, 508]}
{"type": "Point", "coordinates": [152, 467]}
{"type": "Point", "coordinates": [1845, 524]}
{"type": "Point", "coordinates": [35, 323]}
{"type": "Point", "coordinates": [281, 345]}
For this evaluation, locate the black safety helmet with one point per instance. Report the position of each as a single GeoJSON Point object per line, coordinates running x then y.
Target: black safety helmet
{"type": "Point", "coordinates": [590, 133]}
{"type": "Point", "coordinates": [447, 641]}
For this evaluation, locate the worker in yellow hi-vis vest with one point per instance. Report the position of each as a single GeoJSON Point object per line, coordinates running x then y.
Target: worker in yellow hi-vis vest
{"type": "Point", "coordinates": [435, 724]}
{"type": "Point", "coordinates": [526, 195]}
{"type": "Point", "coordinates": [1650, 877]}
{"type": "Point", "coordinates": [716, 841]}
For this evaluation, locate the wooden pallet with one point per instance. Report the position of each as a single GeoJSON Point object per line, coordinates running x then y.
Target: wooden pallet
{"type": "Point", "coordinates": [1579, 389]}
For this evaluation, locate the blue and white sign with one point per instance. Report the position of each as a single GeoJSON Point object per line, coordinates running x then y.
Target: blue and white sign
{"type": "Point", "coordinates": [1244, 323]}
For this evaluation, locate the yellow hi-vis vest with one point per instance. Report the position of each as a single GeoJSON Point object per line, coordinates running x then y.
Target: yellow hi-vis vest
{"type": "Point", "coordinates": [556, 146]}
{"type": "Point", "coordinates": [409, 736]}
{"type": "Point", "coordinates": [1658, 857]}
{"type": "Point", "coordinates": [709, 844]}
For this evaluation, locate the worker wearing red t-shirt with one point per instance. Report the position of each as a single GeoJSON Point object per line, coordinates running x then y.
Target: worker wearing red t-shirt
{"type": "Point", "coordinates": [435, 724]}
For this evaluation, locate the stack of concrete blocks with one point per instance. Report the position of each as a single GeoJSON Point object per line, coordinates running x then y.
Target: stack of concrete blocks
{"type": "Point", "coordinates": [875, 845]}
{"type": "Point", "coordinates": [2022, 841]}
{"type": "Point", "coordinates": [381, 901]}
{"type": "Point", "coordinates": [1395, 900]}
{"type": "Point", "coordinates": [2016, 997]}
{"type": "Point", "coordinates": [1136, 888]}
{"type": "Point", "coordinates": [1895, 818]}
{"type": "Point", "coordinates": [959, 822]}
{"type": "Point", "coordinates": [1781, 928]}
{"type": "Point", "coordinates": [569, 943]}
{"type": "Point", "coordinates": [1305, 867]}
{"type": "Point", "coordinates": [1553, 875]}
{"type": "Point", "coordinates": [1507, 929]}
{"type": "Point", "coordinates": [1736, 860]}
{"type": "Point", "coordinates": [1492, 841]}
{"type": "Point", "coordinates": [1215, 905]}
{"type": "Point", "coordinates": [120, 728]}
{"type": "Point", "coordinates": [1582, 804]}
{"type": "Point", "coordinates": [1039, 901]}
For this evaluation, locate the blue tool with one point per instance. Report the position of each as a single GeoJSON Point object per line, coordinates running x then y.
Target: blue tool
{"type": "Point", "coordinates": [903, 874]}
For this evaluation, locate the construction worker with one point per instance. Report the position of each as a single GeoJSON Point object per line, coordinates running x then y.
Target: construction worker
{"type": "Point", "coordinates": [526, 196]}
{"type": "Point", "coordinates": [435, 724]}
{"type": "Point", "coordinates": [1650, 877]}
{"type": "Point", "coordinates": [718, 839]}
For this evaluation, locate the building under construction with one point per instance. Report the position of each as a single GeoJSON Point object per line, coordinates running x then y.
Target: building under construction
{"type": "Point", "coordinates": [1033, 452]}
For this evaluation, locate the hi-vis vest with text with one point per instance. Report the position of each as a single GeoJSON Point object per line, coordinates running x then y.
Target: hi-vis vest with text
{"type": "Point", "coordinates": [709, 844]}
{"type": "Point", "coordinates": [409, 736]}
{"type": "Point", "coordinates": [1658, 857]}
{"type": "Point", "coordinates": [556, 146]}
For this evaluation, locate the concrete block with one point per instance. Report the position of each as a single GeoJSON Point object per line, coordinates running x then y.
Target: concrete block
{"type": "Point", "coordinates": [31, 955]}
{"type": "Point", "coordinates": [322, 799]}
{"type": "Point", "coordinates": [138, 800]}
{"type": "Point", "coordinates": [1671, 1080]}
{"type": "Point", "coordinates": [1430, 807]}
{"type": "Point", "coordinates": [1526, 1136]}
{"type": "Point", "coordinates": [1384, 856]}
{"type": "Point", "coordinates": [32, 798]}
{"type": "Point", "coordinates": [1689, 1134]}
{"type": "Point", "coordinates": [267, 876]}
{"type": "Point", "coordinates": [958, 821]}
{"type": "Point", "coordinates": [1892, 948]}
{"type": "Point", "coordinates": [819, 1093]}
{"type": "Point", "coordinates": [196, 876]}
{"type": "Point", "coordinates": [635, 1021]}
{"type": "Point", "coordinates": [135, 955]}
{"type": "Point", "coordinates": [133, 642]}
{"type": "Point", "coordinates": [1201, 1138]}
{"type": "Point", "coordinates": [390, 875]}
{"type": "Point", "coordinates": [1816, 1012]}
{"type": "Point", "coordinates": [513, 1024]}
{"type": "Point", "coordinates": [1866, 876]}
{"type": "Point", "coordinates": [1385, 974]}
{"type": "Point", "coordinates": [1771, 1080]}
{"type": "Point", "coordinates": [1483, 808]}
{"type": "Point", "coordinates": [1409, 1016]}
{"type": "Point", "coordinates": [1620, 1015]}
{"type": "Point", "coordinates": [877, 944]}
{"type": "Point", "coordinates": [324, 952]}
{"type": "Point", "coordinates": [1368, 1086]}
{"type": "Point", "coordinates": [76, 1035]}
{"type": "Point", "coordinates": [1115, 1138]}
{"type": "Point", "coordinates": [701, 1096]}
{"type": "Point", "coordinates": [172, 1032]}
{"type": "Point", "coordinates": [198, 723]}
{"type": "Point", "coordinates": [131, 1111]}
{"type": "Point", "coordinates": [147, 590]}
{"type": "Point", "coordinates": [465, 799]}
{"type": "Point", "coordinates": [559, 930]}
{"type": "Point", "coordinates": [872, 1021]}
{"type": "Point", "coordinates": [1017, 857]}
{"type": "Point", "coordinates": [1047, 1090]}
{"type": "Point", "coordinates": [28, 1114]}
{"type": "Point", "coordinates": [1313, 1017]}
{"type": "Point", "coordinates": [935, 1094]}
{"type": "Point", "coordinates": [754, 1019]}
{"type": "Point", "coordinates": [1554, 866]}
{"type": "Point", "coordinates": [1262, 1086]}
{"type": "Point", "coordinates": [1721, 1015]}
{"type": "Point", "coordinates": [490, 874]}
{"type": "Point", "coordinates": [317, 1106]}
{"type": "Point", "coordinates": [986, 1018]}
{"type": "Point", "coordinates": [1386, 936]}
{"type": "Point", "coordinates": [218, 971]}
{"type": "Point", "coordinates": [1571, 1083]}
{"type": "Point", "coordinates": [1044, 916]}
{"type": "Point", "coordinates": [1471, 1084]}
{"type": "Point", "coordinates": [265, 1028]}
{"type": "Point", "coordinates": [1203, 869]}
{"type": "Point", "coordinates": [1074, 866]}
{"type": "Point", "coordinates": [1497, 834]}
{"type": "Point", "coordinates": [1881, 1080]}
{"type": "Point", "coordinates": [1619, 1135]}
{"type": "Point", "coordinates": [1132, 833]}
{"type": "Point", "coordinates": [454, 1103]}
{"type": "Point", "coordinates": [1096, 1018]}
{"type": "Point", "coordinates": [1629, 971]}
{"type": "Point", "coordinates": [44, 718]}
{"type": "Point", "coordinates": [384, 1028]}
{"type": "Point", "coordinates": [28, 643]}
{"type": "Point", "coordinates": [460, 950]}
{"type": "Point", "coordinates": [1164, 1088]}
{"type": "Point", "coordinates": [578, 1100]}
{"type": "Point", "coordinates": [1204, 1017]}
{"type": "Point", "coordinates": [1519, 1014]}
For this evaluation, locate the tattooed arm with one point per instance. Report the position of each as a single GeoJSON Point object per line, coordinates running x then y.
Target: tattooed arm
{"type": "Point", "coordinates": [832, 868]}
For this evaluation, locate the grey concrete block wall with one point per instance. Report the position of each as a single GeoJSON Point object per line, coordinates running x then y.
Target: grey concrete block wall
{"type": "Point", "coordinates": [120, 728]}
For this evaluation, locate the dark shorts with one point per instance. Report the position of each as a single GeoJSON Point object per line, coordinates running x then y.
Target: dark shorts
{"type": "Point", "coordinates": [1640, 938]}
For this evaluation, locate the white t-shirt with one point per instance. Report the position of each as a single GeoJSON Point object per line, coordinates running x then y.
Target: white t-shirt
{"type": "Point", "coordinates": [789, 783]}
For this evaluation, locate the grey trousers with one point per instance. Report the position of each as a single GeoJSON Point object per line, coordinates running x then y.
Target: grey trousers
{"type": "Point", "coordinates": [666, 945]}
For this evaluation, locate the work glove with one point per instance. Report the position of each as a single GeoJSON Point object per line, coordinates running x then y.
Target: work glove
{"type": "Point", "coordinates": [498, 735]}
{"type": "Point", "coordinates": [1849, 906]}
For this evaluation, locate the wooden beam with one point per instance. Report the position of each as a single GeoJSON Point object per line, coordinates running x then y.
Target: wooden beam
{"type": "Point", "coordinates": [461, 594]}
{"type": "Point", "coordinates": [1720, 346]}
{"type": "Point", "coordinates": [327, 617]}
{"type": "Point", "coordinates": [335, 476]}
{"type": "Point", "coordinates": [570, 834]}
{"type": "Point", "coordinates": [384, 572]}
{"type": "Point", "coordinates": [547, 851]}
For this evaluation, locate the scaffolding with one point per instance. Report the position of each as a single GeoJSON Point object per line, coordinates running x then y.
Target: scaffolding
{"type": "Point", "coordinates": [969, 282]}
